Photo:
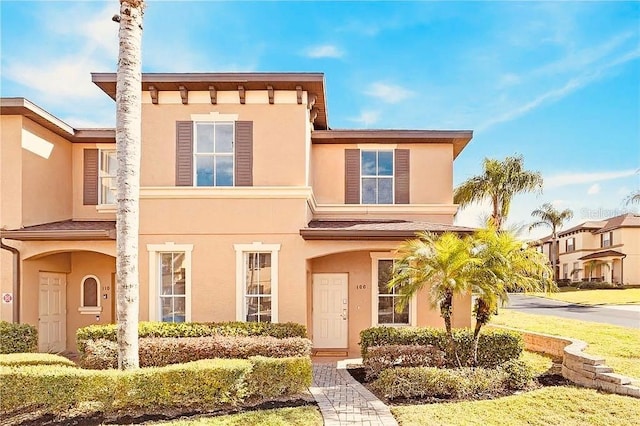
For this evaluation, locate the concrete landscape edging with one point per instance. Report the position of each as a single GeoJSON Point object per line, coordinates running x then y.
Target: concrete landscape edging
{"type": "Point", "coordinates": [580, 368]}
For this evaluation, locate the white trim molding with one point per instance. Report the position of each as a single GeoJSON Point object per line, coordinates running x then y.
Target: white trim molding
{"type": "Point", "coordinates": [244, 192]}
{"type": "Point", "coordinates": [256, 247]}
{"type": "Point", "coordinates": [168, 247]}
{"type": "Point", "coordinates": [213, 117]}
{"type": "Point", "coordinates": [413, 305]}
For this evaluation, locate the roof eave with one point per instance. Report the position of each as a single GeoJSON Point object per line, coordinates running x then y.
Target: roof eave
{"type": "Point", "coordinates": [59, 235]}
{"type": "Point", "coordinates": [344, 234]}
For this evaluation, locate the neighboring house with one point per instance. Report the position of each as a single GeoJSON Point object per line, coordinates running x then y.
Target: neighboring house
{"type": "Point", "coordinates": [251, 209]}
{"type": "Point", "coordinates": [605, 250]}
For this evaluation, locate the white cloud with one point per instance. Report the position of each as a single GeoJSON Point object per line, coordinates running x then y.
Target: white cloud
{"type": "Point", "coordinates": [594, 189]}
{"type": "Point", "coordinates": [388, 92]}
{"type": "Point", "coordinates": [367, 118]}
{"type": "Point", "coordinates": [324, 51]}
{"type": "Point", "coordinates": [564, 179]}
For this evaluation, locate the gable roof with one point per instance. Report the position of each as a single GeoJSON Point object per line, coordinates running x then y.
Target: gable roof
{"type": "Point", "coordinates": [628, 220]}
{"type": "Point", "coordinates": [592, 225]}
{"type": "Point", "coordinates": [26, 108]}
{"type": "Point", "coordinates": [311, 82]}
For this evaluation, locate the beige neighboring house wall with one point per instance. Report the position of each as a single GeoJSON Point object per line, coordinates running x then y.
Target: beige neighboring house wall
{"type": "Point", "coordinates": [201, 242]}
{"type": "Point", "coordinates": [617, 262]}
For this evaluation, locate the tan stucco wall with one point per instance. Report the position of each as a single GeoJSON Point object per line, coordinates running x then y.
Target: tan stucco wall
{"type": "Point", "coordinates": [46, 182]}
{"type": "Point", "coordinates": [431, 172]}
{"type": "Point", "coordinates": [630, 238]}
{"type": "Point", "coordinates": [278, 140]}
{"type": "Point", "coordinates": [10, 171]}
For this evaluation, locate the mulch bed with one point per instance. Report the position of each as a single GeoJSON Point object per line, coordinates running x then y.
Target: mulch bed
{"type": "Point", "coordinates": [358, 373]}
{"type": "Point", "coordinates": [95, 419]}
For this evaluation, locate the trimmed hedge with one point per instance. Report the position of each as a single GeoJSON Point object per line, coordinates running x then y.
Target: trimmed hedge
{"type": "Point", "coordinates": [421, 382]}
{"type": "Point", "coordinates": [379, 358]}
{"type": "Point", "coordinates": [17, 338]}
{"type": "Point", "coordinates": [196, 386]}
{"type": "Point", "coordinates": [22, 359]}
{"type": "Point", "coordinates": [194, 329]}
{"type": "Point", "coordinates": [158, 352]}
{"type": "Point", "coordinates": [598, 285]}
{"type": "Point", "coordinates": [494, 347]}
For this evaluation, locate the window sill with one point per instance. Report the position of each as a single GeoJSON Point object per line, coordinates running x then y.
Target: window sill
{"type": "Point", "coordinates": [90, 310]}
{"type": "Point", "coordinates": [106, 208]}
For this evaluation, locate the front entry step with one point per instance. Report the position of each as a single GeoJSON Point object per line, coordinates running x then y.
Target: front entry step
{"type": "Point", "coordinates": [330, 352]}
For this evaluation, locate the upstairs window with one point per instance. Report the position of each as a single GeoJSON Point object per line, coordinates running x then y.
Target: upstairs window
{"type": "Point", "coordinates": [571, 244]}
{"type": "Point", "coordinates": [606, 239]}
{"type": "Point", "coordinates": [213, 153]}
{"type": "Point", "coordinates": [107, 177]}
{"type": "Point", "coordinates": [377, 177]}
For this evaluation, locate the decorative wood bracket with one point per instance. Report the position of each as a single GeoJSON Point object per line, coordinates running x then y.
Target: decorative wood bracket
{"type": "Point", "coordinates": [270, 91]}
{"type": "Point", "coordinates": [154, 94]}
{"type": "Point", "coordinates": [311, 100]}
{"type": "Point", "coordinates": [299, 94]}
{"type": "Point", "coordinates": [242, 94]}
{"type": "Point", "coordinates": [184, 94]}
{"type": "Point", "coordinates": [214, 94]}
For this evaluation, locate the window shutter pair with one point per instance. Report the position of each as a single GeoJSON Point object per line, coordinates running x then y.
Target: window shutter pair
{"type": "Point", "coordinates": [243, 153]}
{"type": "Point", "coordinates": [352, 176]}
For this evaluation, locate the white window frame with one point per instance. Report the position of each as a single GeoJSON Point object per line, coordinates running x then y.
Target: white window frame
{"type": "Point", "coordinates": [214, 154]}
{"type": "Point", "coordinates": [413, 304]}
{"type": "Point", "coordinates": [90, 310]}
{"type": "Point", "coordinates": [154, 292]}
{"type": "Point", "coordinates": [607, 242]}
{"type": "Point", "coordinates": [102, 176]}
{"type": "Point", "coordinates": [573, 244]}
{"type": "Point", "coordinates": [256, 247]}
{"type": "Point", "coordinates": [576, 271]}
{"type": "Point", "coordinates": [565, 271]}
{"type": "Point", "coordinates": [393, 176]}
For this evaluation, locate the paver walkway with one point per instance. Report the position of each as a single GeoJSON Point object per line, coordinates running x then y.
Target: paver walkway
{"type": "Point", "coordinates": [343, 400]}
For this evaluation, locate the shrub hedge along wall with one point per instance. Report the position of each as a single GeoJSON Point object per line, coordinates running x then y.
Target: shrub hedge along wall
{"type": "Point", "coordinates": [17, 338]}
{"type": "Point", "coordinates": [494, 347]}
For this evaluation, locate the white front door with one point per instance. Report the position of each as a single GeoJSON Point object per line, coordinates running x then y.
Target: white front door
{"type": "Point", "coordinates": [52, 321]}
{"type": "Point", "coordinates": [330, 310]}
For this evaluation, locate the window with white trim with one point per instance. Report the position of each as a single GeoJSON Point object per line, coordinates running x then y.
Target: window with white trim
{"type": "Point", "coordinates": [170, 282]}
{"type": "Point", "coordinates": [571, 244]}
{"type": "Point", "coordinates": [90, 295]}
{"type": "Point", "coordinates": [376, 176]}
{"type": "Point", "coordinates": [107, 172]}
{"type": "Point", "coordinates": [257, 282]}
{"type": "Point", "coordinates": [576, 271]}
{"type": "Point", "coordinates": [607, 239]}
{"type": "Point", "coordinates": [213, 153]}
{"type": "Point", "coordinates": [565, 271]}
{"type": "Point", "coordinates": [384, 301]}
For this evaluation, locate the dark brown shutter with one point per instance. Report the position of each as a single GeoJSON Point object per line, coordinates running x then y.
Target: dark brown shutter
{"type": "Point", "coordinates": [184, 153]}
{"type": "Point", "coordinates": [244, 153]}
{"type": "Point", "coordinates": [611, 238]}
{"type": "Point", "coordinates": [352, 176]}
{"type": "Point", "coordinates": [90, 185]}
{"type": "Point", "coordinates": [402, 176]}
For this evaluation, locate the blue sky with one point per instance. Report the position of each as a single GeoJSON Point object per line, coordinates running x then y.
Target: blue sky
{"type": "Point", "coordinates": [558, 82]}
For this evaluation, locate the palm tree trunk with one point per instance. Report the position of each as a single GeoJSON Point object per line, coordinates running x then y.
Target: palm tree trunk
{"type": "Point", "coordinates": [128, 139]}
{"type": "Point", "coordinates": [446, 307]}
{"type": "Point", "coordinates": [554, 253]}
{"type": "Point", "coordinates": [482, 317]}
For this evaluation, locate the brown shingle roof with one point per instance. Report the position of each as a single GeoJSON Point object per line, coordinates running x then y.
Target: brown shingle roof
{"type": "Point", "coordinates": [628, 220]}
{"type": "Point", "coordinates": [397, 230]}
{"type": "Point", "coordinates": [601, 254]}
{"type": "Point", "coordinates": [64, 230]}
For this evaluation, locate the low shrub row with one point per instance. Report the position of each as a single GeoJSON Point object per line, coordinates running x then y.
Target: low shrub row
{"type": "Point", "coordinates": [430, 382]}
{"type": "Point", "coordinates": [161, 351]}
{"type": "Point", "coordinates": [194, 329]}
{"type": "Point", "coordinates": [22, 359]}
{"type": "Point", "coordinates": [595, 285]}
{"type": "Point", "coordinates": [494, 347]}
{"type": "Point", "coordinates": [379, 358]}
{"type": "Point", "coordinates": [17, 338]}
{"type": "Point", "coordinates": [197, 386]}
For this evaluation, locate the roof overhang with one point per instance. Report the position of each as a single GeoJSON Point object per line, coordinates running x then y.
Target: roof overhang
{"type": "Point", "coordinates": [458, 138]}
{"type": "Point", "coordinates": [64, 231]}
{"type": "Point", "coordinates": [604, 255]}
{"type": "Point", "coordinates": [310, 82]}
{"type": "Point", "coordinates": [26, 108]}
{"type": "Point", "coordinates": [379, 230]}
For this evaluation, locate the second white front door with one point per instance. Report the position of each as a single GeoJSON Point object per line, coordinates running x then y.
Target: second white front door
{"type": "Point", "coordinates": [52, 323]}
{"type": "Point", "coordinates": [330, 310]}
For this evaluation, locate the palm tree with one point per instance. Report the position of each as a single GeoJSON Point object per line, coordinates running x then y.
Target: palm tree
{"type": "Point", "coordinates": [128, 139]}
{"type": "Point", "coordinates": [440, 263]}
{"type": "Point", "coordinates": [552, 218]}
{"type": "Point", "coordinates": [505, 265]}
{"type": "Point", "coordinates": [633, 198]}
{"type": "Point", "coordinates": [499, 182]}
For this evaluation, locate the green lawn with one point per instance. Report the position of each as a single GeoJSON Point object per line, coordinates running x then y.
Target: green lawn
{"type": "Point", "coordinates": [595, 297]}
{"type": "Point", "coordinates": [280, 417]}
{"type": "Point", "coordinates": [562, 405]}
{"type": "Point", "coordinates": [620, 346]}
